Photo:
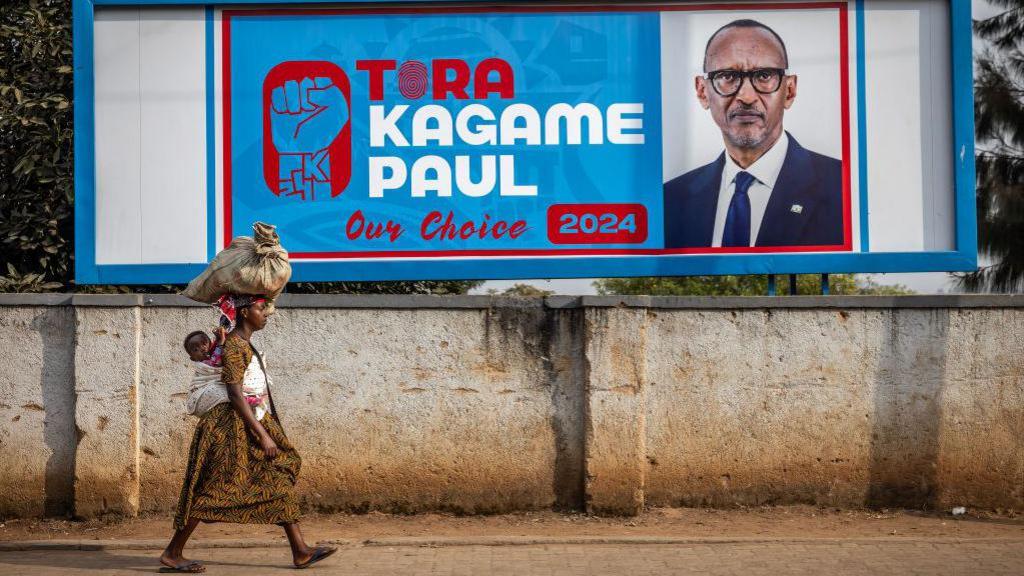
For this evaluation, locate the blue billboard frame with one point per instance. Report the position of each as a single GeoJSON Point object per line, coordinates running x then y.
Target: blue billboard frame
{"type": "Point", "coordinates": [964, 258]}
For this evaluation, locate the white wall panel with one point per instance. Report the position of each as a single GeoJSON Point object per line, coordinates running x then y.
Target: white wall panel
{"type": "Point", "coordinates": [937, 130]}
{"type": "Point", "coordinates": [909, 126]}
{"type": "Point", "coordinates": [893, 86]}
{"type": "Point", "coordinates": [118, 199]}
{"type": "Point", "coordinates": [173, 81]}
{"type": "Point", "coordinates": [151, 135]}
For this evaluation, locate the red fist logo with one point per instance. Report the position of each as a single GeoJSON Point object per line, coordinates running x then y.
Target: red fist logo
{"type": "Point", "coordinates": [307, 136]}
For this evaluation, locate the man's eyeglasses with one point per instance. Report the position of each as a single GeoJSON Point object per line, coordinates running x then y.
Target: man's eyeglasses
{"type": "Point", "coordinates": [763, 80]}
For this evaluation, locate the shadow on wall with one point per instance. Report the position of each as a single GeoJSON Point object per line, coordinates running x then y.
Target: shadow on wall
{"type": "Point", "coordinates": [562, 362]}
{"type": "Point", "coordinates": [907, 422]}
{"type": "Point", "coordinates": [551, 337]}
{"type": "Point", "coordinates": [56, 327]}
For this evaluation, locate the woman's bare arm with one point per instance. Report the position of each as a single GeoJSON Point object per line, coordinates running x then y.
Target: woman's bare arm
{"type": "Point", "coordinates": [244, 411]}
{"type": "Point", "coordinates": [232, 374]}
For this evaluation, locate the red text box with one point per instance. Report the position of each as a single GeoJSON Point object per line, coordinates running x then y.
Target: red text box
{"type": "Point", "coordinates": [597, 223]}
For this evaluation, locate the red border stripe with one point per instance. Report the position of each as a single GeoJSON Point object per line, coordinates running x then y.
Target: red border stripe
{"type": "Point", "coordinates": [536, 9]}
{"type": "Point", "coordinates": [565, 252]}
{"type": "Point", "coordinates": [844, 104]}
{"type": "Point", "coordinates": [225, 69]}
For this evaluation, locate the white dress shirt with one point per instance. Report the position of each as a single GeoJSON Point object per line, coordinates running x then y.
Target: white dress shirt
{"type": "Point", "coordinates": [765, 171]}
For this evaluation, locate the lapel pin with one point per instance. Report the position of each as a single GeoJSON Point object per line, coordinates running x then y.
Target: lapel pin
{"type": "Point", "coordinates": [796, 209]}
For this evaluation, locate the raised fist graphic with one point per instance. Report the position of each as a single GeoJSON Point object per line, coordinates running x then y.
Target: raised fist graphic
{"type": "Point", "coordinates": [307, 115]}
{"type": "Point", "coordinates": [307, 142]}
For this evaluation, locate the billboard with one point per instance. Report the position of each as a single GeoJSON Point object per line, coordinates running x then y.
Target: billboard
{"type": "Point", "coordinates": [509, 141]}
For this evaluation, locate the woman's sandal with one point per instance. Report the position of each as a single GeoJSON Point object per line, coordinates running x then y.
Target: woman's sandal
{"type": "Point", "coordinates": [190, 567]}
{"type": "Point", "coordinates": [319, 554]}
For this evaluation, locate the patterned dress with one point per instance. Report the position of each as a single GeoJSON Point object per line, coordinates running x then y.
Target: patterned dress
{"type": "Point", "coordinates": [229, 478]}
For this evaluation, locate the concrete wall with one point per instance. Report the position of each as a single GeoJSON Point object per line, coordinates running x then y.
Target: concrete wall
{"type": "Point", "coordinates": [889, 407]}
{"type": "Point", "coordinates": [393, 409]}
{"type": "Point", "coordinates": [480, 404]}
{"type": "Point", "coordinates": [37, 410]}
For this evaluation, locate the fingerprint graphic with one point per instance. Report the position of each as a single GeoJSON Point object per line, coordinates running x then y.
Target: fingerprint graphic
{"type": "Point", "coordinates": [412, 79]}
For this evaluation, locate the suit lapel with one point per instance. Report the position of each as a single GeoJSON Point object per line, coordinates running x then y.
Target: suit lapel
{"type": "Point", "coordinates": [705, 205]}
{"type": "Point", "coordinates": [792, 202]}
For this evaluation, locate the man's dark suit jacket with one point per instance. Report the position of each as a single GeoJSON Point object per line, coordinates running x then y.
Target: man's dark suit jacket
{"type": "Point", "coordinates": [807, 179]}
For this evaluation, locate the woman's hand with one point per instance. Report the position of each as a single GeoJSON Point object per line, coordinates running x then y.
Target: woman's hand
{"type": "Point", "coordinates": [268, 445]}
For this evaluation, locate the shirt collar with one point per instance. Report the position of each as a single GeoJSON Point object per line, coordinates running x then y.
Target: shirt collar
{"type": "Point", "coordinates": [766, 168]}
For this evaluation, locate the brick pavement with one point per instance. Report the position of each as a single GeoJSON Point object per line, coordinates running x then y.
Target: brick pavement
{"type": "Point", "coordinates": [906, 557]}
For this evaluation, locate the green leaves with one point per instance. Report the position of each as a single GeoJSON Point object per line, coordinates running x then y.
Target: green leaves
{"type": "Point", "coordinates": [36, 132]}
{"type": "Point", "coordinates": [411, 287]}
{"type": "Point", "coordinates": [757, 285]}
{"type": "Point", "coordinates": [31, 282]}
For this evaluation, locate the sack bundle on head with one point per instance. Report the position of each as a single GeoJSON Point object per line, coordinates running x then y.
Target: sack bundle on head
{"type": "Point", "coordinates": [257, 265]}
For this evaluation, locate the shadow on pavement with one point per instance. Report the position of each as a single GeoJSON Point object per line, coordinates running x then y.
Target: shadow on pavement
{"type": "Point", "coordinates": [104, 562]}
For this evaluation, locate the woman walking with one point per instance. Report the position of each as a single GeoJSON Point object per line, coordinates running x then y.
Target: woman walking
{"type": "Point", "coordinates": [241, 466]}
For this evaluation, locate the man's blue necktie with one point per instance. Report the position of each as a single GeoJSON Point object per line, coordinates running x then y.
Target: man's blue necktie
{"type": "Point", "coordinates": [737, 220]}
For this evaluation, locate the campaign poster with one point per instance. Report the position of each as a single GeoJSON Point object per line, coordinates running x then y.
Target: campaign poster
{"type": "Point", "coordinates": [491, 133]}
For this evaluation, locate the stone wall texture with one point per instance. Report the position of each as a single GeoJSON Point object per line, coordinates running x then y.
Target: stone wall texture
{"type": "Point", "coordinates": [486, 404]}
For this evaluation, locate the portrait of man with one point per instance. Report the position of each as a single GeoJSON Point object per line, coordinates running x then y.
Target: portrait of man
{"type": "Point", "coordinates": [764, 189]}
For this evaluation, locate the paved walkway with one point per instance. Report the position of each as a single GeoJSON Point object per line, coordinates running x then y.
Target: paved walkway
{"type": "Point", "coordinates": [829, 557]}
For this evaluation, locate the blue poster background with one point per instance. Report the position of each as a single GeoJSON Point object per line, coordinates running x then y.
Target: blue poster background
{"type": "Point", "coordinates": [600, 58]}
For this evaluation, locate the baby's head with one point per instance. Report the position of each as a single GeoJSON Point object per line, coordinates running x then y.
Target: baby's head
{"type": "Point", "coordinates": [197, 344]}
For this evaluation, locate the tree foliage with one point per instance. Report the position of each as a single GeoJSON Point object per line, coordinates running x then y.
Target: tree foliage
{"type": "Point", "coordinates": [999, 120]}
{"type": "Point", "coordinates": [840, 284]}
{"type": "Point", "coordinates": [36, 189]}
{"type": "Point", "coordinates": [439, 287]}
{"type": "Point", "coordinates": [36, 170]}
{"type": "Point", "coordinates": [522, 290]}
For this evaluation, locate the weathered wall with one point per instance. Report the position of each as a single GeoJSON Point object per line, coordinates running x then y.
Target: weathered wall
{"type": "Point", "coordinates": [480, 404]}
{"type": "Point", "coordinates": [106, 384]}
{"type": "Point", "coordinates": [394, 409]}
{"type": "Point", "coordinates": [616, 339]}
{"type": "Point", "coordinates": [897, 407]}
{"type": "Point", "coordinates": [165, 430]}
{"type": "Point", "coordinates": [37, 410]}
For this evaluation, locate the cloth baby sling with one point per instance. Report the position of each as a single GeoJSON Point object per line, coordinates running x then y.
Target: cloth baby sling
{"type": "Point", "coordinates": [210, 390]}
